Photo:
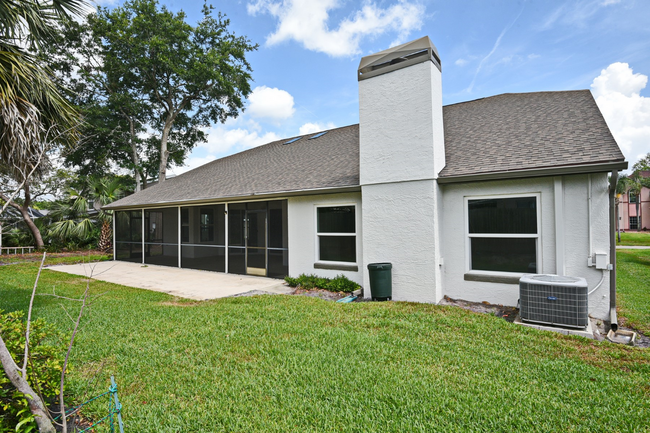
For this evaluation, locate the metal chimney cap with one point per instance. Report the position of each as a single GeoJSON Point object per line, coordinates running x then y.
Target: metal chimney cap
{"type": "Point", "coordinates": [401, 56]}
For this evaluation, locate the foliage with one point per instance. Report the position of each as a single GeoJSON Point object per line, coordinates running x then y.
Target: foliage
{"type": "Point", "coordinates": [295, 364]}
{"type": "Point", "coordinates": [73, 215]}
{"type": "Point", "coordinates": [46, 351]}
{"type": "Point", "coordinates": [633, 297]}
{"type": "Point", "coordinates": [340, 283]}
{"type": "Point", "coordinates": [32, 108]}
{"type": "Point", "coordinates": [642, 164]}
{"type": "Point", "coordinates": [149, 84]}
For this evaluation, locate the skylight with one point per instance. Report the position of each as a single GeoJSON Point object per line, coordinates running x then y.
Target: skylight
{"type": "Point", "coordinates": [292, 140]}
{"type": "Point", "coordinates": [320, 134]}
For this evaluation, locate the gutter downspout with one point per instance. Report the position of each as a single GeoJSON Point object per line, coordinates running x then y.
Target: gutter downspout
{"type": "Point", "coordinates": [612, 251]}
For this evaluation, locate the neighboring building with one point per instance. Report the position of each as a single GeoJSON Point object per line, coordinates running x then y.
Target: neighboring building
{"type": "Point", "coordinates": [461, 199]}
{"type": "Point", "coordinates": [628, 206]}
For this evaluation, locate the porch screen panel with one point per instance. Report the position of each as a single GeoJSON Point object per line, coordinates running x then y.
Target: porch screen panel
{"type": "Point", "coordinates": [203, 237]}
{"type": "Point", "coordinates": [236, 238]}
{"type": "Point", "coordinates": [161, 236]}
{"type": "Point", "coordinates": [128, 236]}
{"type": "Point", "coordinates": [278, 251]}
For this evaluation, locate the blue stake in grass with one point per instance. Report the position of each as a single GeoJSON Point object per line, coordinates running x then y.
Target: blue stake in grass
{"type": "Point", "coordinates": [347, 299]}
{"type": "Point", "coordinates": [114, 408]}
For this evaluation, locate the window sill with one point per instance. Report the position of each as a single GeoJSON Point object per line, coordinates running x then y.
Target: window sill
{"type": "Point", "coordinates": [500, 278]}
{"type": "Point", "coordinates": [336, 266]}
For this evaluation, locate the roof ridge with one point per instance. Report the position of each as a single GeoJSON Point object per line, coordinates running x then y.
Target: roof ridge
{"type": "Point", "coordinates": [518, 93]}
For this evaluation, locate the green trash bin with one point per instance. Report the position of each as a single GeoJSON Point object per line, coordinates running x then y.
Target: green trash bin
{"type": "Point", "coordinates": [381, 281]}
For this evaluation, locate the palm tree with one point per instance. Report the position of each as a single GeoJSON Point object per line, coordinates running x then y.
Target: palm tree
{"type": "Point", "coordinates": [32, 112]}
{"type": "Point", "coordinates": [32, 108]}
{"type": "Point", "coordinates": [75, 219]}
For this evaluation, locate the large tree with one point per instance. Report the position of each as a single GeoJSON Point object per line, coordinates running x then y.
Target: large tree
{"type": "Point", "coordinates": [151, 83]}
{"type": "Point", "coordinates": [189, 76]}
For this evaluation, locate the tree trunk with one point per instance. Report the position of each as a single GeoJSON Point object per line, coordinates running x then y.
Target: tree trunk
{"type": "Point", "coordinates": [618, 224]}
{"type": "Point", "coordinates": [164, 153]}
{"type": "Point", "coordinates": [24, 211]}
{"type": "Point", "coordinates": [134, 156]}
{"type": "Point", "coordinates": [36, 405]}
{"type": "Point", "coordinates": [105, 238]}
{"type": "Point", "coordinates": [38, 239]}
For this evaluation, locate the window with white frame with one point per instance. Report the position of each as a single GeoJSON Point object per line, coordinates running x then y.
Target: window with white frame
{"type": "Point", "coordinates": [336, 233]}
{"type": "Point", "coordinates": [503, 234]}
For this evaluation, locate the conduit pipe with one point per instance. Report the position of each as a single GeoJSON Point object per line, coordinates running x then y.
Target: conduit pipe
{"type": "Point", "coordinates": [612, 250]}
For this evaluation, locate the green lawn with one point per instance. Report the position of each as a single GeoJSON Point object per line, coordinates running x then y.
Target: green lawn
{"type": "Point", "coordinates": [299, 364]}
{"type": "Point", "coordinates": [634, 238]}
{"type": "Point", "coordinates": [633, 289]}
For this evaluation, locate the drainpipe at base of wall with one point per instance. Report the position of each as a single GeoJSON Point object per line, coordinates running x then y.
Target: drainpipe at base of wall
{"type": "Point", "coordinates": [612, 250]}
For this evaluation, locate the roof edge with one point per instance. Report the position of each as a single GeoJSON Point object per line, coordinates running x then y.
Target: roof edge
{"type": "Point", "coordinates": [536, 172]}
{"type": "Point", "coordinates": [243, 197]}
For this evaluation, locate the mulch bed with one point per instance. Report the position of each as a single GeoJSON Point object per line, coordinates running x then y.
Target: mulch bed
{"type": "Point", "coordinates": [507, 313]}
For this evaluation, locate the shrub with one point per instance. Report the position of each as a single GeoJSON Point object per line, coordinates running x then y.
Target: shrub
{"type": "Point", "coordinates": [342, 284]}
{"type": "Point", "coordinates": [46, 349]}
{"type": "Point", "coordinates": [339, 284]}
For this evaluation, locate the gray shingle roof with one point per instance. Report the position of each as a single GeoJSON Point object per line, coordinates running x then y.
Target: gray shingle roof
{"type": "Point", "coordinates": [504, 133]}
{"type": "Point", "coordinates": [522, 131]}
{"type": "Point", "coordinates": [329, 161]}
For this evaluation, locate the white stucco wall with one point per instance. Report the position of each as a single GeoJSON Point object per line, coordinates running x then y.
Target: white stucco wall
{"type": "Point", "coordinates": [576, 231]}
{"type": "Point", "coordinates": [301, 219]}
{"type": "Point", "coordinates": [400, 125]}
{"type": "Point", "coordinates": [400, 227]}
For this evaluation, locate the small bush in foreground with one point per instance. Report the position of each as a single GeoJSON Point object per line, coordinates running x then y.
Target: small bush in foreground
{"type": "Point", "coordinates": [340, 283]}
{"type": "Point", "coordinates": [46, 349]}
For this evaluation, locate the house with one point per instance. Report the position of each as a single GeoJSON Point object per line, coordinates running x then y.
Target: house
{"type": "Point", "coordinates": [461, 199]}
{"type": "Point", "coordinates": [634, 210]}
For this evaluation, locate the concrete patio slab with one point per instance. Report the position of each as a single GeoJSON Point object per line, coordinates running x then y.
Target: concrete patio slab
{"type": "Point", "coordinates": [184, 283]}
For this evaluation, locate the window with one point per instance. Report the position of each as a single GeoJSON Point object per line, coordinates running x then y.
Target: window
{"type": "Point", "coordinates": [634, 223]}
{"type": "Point", "coordinates": [336, 234]}
{"type": "Point", "coordinates": [632, 197]}
{"type": "Point", "coordinates": [207, 225]}
{"type": "Point", "coordinates": [503, 234]}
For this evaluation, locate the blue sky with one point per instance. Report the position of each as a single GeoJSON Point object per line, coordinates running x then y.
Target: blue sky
{"type": "Point", "coordinates": [305, 68]}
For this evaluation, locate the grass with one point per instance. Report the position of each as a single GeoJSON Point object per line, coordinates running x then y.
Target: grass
{"type": "Point", "coordinates": [634, 239]}
{"type": "Point", "coordinates": [300, 364]}
{"type": "Point", "coordinates": [633, 288]}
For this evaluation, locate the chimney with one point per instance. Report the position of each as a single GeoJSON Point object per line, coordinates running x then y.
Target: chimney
{"type": "Point", "coordinates": [400, 114]}
{"type": "Point", "coordinates": [401, 152]}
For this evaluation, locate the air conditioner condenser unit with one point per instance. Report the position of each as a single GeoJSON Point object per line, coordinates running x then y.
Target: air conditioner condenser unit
{"type": "Point", "coordinates": [554, 300]}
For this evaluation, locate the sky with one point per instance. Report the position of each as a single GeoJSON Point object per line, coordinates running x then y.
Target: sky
{"type": "Point", "coordinates": [305, 69]}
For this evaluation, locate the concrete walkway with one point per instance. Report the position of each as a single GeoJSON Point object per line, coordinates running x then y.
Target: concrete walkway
{"type": "Point", "coordinates": [184, 283]}
{"type": "Point", "coordinates": [632, 247]}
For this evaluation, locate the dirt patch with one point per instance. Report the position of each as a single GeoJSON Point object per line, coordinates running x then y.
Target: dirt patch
{"type": "Point", "coordinates": [507, 313]}
{"type": "Point", "coordinates": [12, 259]}
{"type": "Point", "coordinates": [178, 302]}
{"type": "Point", "coordinates": [321, 293]}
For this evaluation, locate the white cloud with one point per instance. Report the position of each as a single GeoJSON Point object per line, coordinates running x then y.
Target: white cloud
{"type": "Point", "coordinates": [617, 92]}
{"type": "Point", "coordinates": [575, 13]}
{"type": "Point", "coordinates": [533, 56]}
{"type": "Point", "coordinates": [460, 62]}
{"type": "Point", "coordinates": [191, 163]}
{"type": "Point", "coordinates": [271, 103]}
{"type": "Point", "coordinates": [306, 21]}
{"type": "Point", "coordinates": [310, 128]}
{"type": "Point", "coordinates": [224, 141]}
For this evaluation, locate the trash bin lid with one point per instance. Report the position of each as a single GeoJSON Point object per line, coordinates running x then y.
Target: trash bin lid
{"type": "Point", "coordinates": [379, 266]}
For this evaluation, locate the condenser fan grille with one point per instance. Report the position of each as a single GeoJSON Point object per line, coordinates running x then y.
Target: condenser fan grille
{"type": "Point", "coordinates": [556, 302]}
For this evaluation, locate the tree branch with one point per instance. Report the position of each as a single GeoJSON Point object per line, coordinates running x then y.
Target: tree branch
{"type": "Point", "coordinates": [29, 316]}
